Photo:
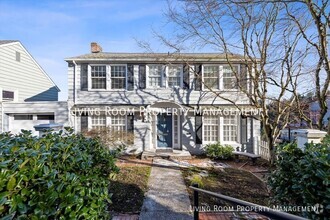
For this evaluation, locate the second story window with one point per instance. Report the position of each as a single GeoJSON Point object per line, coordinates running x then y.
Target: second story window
{"type": "Point", "coordinates": [174, 76]}
{"type": "Point", "coordinates": [211, 77]}
{"type": "Point", "coordinates": [99, 77]}
{"type": "Point", "coordinates": [155, 75]}
{"type": "Point", "coordinates": [229, 79]}
{"type": "Point", "coordinates": [118, 77]}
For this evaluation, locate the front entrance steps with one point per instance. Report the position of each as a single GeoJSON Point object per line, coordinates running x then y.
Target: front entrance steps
{"type": "Point", "coordinates": [165, 154]}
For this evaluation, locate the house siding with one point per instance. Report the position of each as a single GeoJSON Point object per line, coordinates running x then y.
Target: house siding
{"type": "Point", "coordinates": [149, 95]}
{"type": "Point", "coordinates": [24, 77]}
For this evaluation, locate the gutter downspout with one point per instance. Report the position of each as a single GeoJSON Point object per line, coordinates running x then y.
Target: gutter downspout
{"type": "Point", "coordinates": [2, 118]}
{"type": "Point", "coordinates": [74, 94]}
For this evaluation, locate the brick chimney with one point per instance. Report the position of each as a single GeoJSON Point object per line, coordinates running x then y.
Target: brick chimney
{"type": "Point", "coordinates": [95, 48]}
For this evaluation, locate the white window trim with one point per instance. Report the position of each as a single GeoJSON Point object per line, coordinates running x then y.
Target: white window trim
{"type": "Point", "coordinates": [181, 76]}
{"type": "Point", "coordinates": [89, 80]}
{"type": "Point", "coordinates": [108, 77]}
{"type": "Point", "coordinates": [220, 75]}
{"type": "Point", "coordinates": [238, 71]}
{"type": "Point", "coordinates": [221, 130]}
{"type": "Point", "coordinates": [164, 76]}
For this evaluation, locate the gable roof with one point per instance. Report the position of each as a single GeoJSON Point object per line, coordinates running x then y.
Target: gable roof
{"type": "Point", "coordinates": [7, 41]}
{"type": "Point", "coordinates": [4, 43]}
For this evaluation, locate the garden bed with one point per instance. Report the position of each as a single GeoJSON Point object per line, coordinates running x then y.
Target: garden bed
{"type": "Point", "coordinates": [129, 188]}
{"type": "Point", "coordinates": [232, 182]}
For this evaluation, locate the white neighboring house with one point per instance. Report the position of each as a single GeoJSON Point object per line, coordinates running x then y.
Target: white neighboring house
{"type": "Point", "coordinates": [161, 82]}
{"type": "Point", "coordinates": [28, 96]}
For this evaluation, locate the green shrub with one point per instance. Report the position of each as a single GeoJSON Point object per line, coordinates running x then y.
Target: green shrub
{"type": "Point", "coordinates": [302, 178]}
{"type": "Point", "coordinates": [197, 179]}
{"type": "Point", "coordinates": [58, 176]}
{"type": "Point", "coordinates": [217, 151]}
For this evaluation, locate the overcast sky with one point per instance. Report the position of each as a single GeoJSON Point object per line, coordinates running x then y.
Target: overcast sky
{"type": "Point", "coordinates": [54, 30]}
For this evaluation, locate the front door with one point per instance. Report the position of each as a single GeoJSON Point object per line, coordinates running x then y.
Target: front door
{"type": "Point", "coordinates": [164, 131]}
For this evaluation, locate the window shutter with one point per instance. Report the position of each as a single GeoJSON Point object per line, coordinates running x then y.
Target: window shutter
{"type": "Point", "coordinates": [130, 128]}
{"type": "Point", "coordinates": [130, 77]}
{"type": "Point", "coordinates": [186, 79]}
{"type": "Point", "coordinates": [142, 77]}
{"type": "Point", "coordinates": [84, 123]}
{"type": "Point", "coordinates": [243, 76]}
{"type": "Point", "coordinates": [243, 130]}
{"type": "Point", "coordinates": [84, 76]}
{"type": "Point", "coordinates": [198, 77]}
{"type": "Point", "coordinates": [199, 129]}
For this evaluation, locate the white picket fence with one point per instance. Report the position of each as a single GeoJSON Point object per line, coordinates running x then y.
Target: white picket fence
{"type": "Point", "coordinates": [264, 150]}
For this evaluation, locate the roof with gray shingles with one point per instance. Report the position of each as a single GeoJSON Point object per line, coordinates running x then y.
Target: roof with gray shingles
{"type": "Point", "coordinates": [7, 41]}
{"type": "Point", "coordinates": [154, 56]}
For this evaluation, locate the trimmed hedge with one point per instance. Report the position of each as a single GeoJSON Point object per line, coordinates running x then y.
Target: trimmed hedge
{"type": "Point", "coordinates": [302, 178]}
{"type": "Point", "coordinates": [58, 176]}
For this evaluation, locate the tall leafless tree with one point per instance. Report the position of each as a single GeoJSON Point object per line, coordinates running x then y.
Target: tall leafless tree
{"type": "Point", "coordinates": [260, 31]}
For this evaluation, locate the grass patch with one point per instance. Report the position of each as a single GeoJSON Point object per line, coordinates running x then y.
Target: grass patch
{"type": "Point", "coordinates": [236, 183]}
{"type": "Point", "coordinates": [128, 189]}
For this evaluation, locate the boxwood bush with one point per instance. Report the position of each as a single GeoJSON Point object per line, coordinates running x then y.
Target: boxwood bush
{"type": "Point", "coordinates": [302, 178]}
{"type": "Point", "coordinates": [57, 176]}
{"type": "Point", "coordinates": [218, 151]}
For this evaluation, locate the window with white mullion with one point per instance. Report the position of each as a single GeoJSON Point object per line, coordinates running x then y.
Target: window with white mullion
{"type": "Point", "coordinates": [118, 76]}
{"type": "Point", "coordinates": [174, 76]}
{"type": "Point", "coordinates": [155, 75]}
{"type": "Point", "coordinates": [230, 128]}
{"type": "Point", "coordinates": [118, 126]}
{"type": "Point", "coordinates": [211, 128]}
{"type": "Point", "coordinates": [98, 77]}
{"type": "Point", "coordinates": [229, 80]}
{"type": "Point", "coordinates": [98, 122]}
{"type": "Point", "coordinates": [211, 76]}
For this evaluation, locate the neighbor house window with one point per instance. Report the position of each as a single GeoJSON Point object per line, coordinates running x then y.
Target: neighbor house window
{"type": "Point", "coordinates": [7, 95]}
{"type": "Point", "coordinates": [46, 117]}
{"type": "Point", "coordinates": [98, 77]}
{"type": "Point", "coordinates": [211, 77]}
{"type": "Point", "coordinates": [229, 79]}
{"type": "Point", "coordinates": [98, 122]}
{"type": "Point", "coordinates": [230, 128]}
{"type": "Point", "coordinates": [174, 76]}
{"type": "Point", "coordinates": [211, 128]}
{"type": "Point", "coordinates": [18, 56]}
{"type": "Point", "coordinates": [155, 75]}
{"type": "Point", "coordinates": [118, 77]}
{"type": "Point", "coordinates": [23, 117]}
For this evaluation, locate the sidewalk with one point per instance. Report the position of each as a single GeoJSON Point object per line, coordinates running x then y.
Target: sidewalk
{"type": "Point", "coordinates": [167, 197]}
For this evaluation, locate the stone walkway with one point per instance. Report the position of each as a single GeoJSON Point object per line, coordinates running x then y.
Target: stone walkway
{"type": "Point", "coordinates": [167, 197]}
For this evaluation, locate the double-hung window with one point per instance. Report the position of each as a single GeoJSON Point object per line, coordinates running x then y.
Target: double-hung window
{"type": "Point", "coordinates": [99, 77]}
{"type": "Point", "coordinates": [155, 76]}
{"type": "Point", "coordinates": [174, 76]}
{"type": "Point", "coordinates": [228, 78]}
{"type": "Point", "coordinates": [99, 122]}
{"type": "Point", "coordinates": [211, 77]}
{"type": "Point", "coordinates": [230, 128]}
{"type": "Point", "coordinates": [223, 129]}
{"type": "Point", "coordinates": [211, 128]}
{"type": "Point", "coordinates": [118, 76]}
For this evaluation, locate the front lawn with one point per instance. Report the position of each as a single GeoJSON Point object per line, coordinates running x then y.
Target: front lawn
{"type": "Point", "coordinates": [128, 189]}
{"type": "Point", "coordinates": [232, 182]}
